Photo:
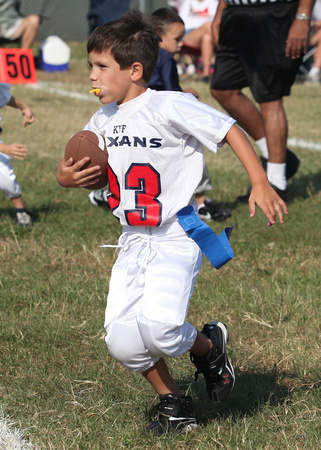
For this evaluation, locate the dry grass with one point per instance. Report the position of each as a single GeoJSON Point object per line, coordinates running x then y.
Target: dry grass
{"type": "Point", "coordinates": [58, 381]}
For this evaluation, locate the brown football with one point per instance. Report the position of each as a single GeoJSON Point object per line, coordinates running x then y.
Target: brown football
{"type": "Point", "coordinates": [92, 144]}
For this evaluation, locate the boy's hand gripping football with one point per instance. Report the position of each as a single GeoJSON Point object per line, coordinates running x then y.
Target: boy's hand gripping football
{"type": "Point", "coordinates": [72, 175]}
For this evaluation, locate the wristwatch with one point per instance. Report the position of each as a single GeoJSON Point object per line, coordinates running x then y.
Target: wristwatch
{"type": "Point", "coordinates": [302, 16]}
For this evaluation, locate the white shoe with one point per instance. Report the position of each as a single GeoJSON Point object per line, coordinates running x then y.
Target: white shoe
{"type": "Point", "coordinates": [313, 78]}
{"type": "Point", "coordinates": [23, 218]}
{"type": "Point", "coordinates": [180, 69]}
{"type": "Point", "coordinates": [191, 69]}
{"type": "Point", "coordinates": [99, 198]}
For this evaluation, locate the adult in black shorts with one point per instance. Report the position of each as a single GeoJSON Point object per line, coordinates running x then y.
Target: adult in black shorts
{"type": "Point", "coordinates": [260, 46]}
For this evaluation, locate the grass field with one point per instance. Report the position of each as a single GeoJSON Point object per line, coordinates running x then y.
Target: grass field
{"type": "Point", "coordinates": [57, 381]}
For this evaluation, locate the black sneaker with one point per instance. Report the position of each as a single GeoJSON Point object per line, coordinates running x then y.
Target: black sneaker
{"type": "Point", "coordinates": [244, 198]}
{"type": "Point", "coordinates": [292, 166]}
{"type": "Point", "coordinates": [218, 212]}
{"type": "Point", "coordinates": [284, 194]}
{"type": "Point", "coordinates": [173, 414]}
{"type": "Point", "coordinates": [213, 211]}
{"type": "Point", "coordinates": [204, 213]}
{"type": "Point", "coordinates": [216, 366]}
{"type": "Point", "coordinates": [99, 198]}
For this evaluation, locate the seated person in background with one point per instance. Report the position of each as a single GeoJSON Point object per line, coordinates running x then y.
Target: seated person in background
{"type": "Point", "coordinates": [197, 16]}
{"type": "Point", "coordinates": [14, 26]}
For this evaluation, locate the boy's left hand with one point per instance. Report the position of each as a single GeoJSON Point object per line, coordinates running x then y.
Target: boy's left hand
{"type": "Point", "coordinates": [28, 116]}
{"type": "Point", "coordinates": [269, 201]}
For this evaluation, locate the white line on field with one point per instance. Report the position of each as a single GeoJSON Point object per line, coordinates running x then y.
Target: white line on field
{"type": "Point", "coordinates": [54, 89]}
{"type": "Point", "coordinates": [50, 87]}
{"type": "Point", "coordinates": [295, 142]}
{"type": "Point", "coordinates": [10, 437]}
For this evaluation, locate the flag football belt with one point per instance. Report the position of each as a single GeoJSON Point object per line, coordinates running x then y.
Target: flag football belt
{"type": "Point", "coordinates": [217, 248]}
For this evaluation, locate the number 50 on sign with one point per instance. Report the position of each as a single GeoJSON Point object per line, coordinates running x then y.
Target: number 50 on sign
{"type": "Point", "coordinates": [17, 65]}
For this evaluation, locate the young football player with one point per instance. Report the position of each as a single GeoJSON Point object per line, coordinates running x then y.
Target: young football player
{"type": "Point", "coordinates": [155, 144]}
{"type": "Point", "coordinates": [8, 183]}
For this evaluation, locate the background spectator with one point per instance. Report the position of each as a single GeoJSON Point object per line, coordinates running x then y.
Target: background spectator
{"type": "Point", "coordinates": [103, 11]}
{"type": "Point", "coordinates": [14, 26]}
{"type": "Point", "coordinates": [315, 41]}
{"type": "Point", "coordinates": [197, 16]}
{"type": "Point", "coordinates": [261, 46]}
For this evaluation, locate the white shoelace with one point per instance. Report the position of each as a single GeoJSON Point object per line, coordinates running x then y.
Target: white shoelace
{"type": "Point", "coordinates": [144, 254]}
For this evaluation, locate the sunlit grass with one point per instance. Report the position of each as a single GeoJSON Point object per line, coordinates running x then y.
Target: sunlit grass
{"type": "Point", "coordinates": [58, 381]}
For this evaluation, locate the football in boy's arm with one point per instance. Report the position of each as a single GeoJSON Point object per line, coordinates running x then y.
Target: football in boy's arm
{"type": "Point", "coordinates": [86, 161]}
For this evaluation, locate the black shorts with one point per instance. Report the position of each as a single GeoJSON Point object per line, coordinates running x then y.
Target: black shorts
{"type": "Point", "coordinates": [251, 50]}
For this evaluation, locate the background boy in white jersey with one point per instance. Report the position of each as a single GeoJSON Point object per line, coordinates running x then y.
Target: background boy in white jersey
{"type": "Point", "coordinates": [155, 143]}
{"type": "Point", "coordinates": [8, 182]}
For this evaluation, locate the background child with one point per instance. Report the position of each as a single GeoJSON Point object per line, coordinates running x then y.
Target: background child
{"type": "Point", "coordinates": [165, 75]}
{"type": "Point", "coordinates": [155, 145]}
{"type": "Point", "coordinates": [8, 183]}
{"type": "Point", "coordinates": [165, 78]}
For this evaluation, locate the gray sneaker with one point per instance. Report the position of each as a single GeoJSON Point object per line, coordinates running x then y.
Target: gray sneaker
{"type": "Point", "coordinates": [23, 218]}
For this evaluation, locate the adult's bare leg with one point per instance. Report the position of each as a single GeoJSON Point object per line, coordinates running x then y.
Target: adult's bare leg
{"type": "Point", "coordinates": [243, 110]}
{"type": "Point", "coordinates": [276, 129]}
{"type": "Point", "coordinates": [28, 30]}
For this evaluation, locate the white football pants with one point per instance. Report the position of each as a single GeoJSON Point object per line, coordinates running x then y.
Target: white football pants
{"type": "Point", "coordinates": [151, 284]}
{"type": "Point", "coordinates": [8, 183]}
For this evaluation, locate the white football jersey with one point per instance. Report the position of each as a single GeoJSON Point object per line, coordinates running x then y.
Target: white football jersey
{"type": "Point", "coordinates": [155, 147]}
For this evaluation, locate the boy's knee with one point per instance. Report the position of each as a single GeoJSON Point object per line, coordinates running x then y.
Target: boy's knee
{"type": "Point", "coordinates": [119, 344]}
{"type": "Point", "coordinates": [125, 345]}
{"type": "Point", "coordinates": [207, 39]}
{"type": "Point", "coordinates": [33, 21]}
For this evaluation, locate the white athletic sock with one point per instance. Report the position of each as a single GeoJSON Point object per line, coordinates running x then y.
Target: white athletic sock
{"type": "Point", "coordinates": [314, 71]}
{"type": "Point", "coordinates": [276, 175]}
{"type": "Point", "coordinates": [262, 144]}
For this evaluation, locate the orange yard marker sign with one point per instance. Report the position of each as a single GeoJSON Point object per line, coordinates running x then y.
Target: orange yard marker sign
{"type": "Point", "coordinates": [17, 65]}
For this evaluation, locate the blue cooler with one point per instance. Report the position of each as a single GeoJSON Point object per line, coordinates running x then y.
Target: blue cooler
{"type": "Point", "coordinates": [54, 55]}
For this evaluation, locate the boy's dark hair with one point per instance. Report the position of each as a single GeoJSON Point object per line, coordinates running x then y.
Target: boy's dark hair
{"type": "Point", "coordinates": [165, 16]}
{"type": "Point", "coordinates": [130, 39]}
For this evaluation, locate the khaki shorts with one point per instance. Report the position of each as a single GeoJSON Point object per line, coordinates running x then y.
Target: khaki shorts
{"type": "Point", "coordinates": [10, 33]}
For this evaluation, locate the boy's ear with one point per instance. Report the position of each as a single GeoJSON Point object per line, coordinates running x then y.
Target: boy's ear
{"type": "Point", "coordinates": [137, 71]}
